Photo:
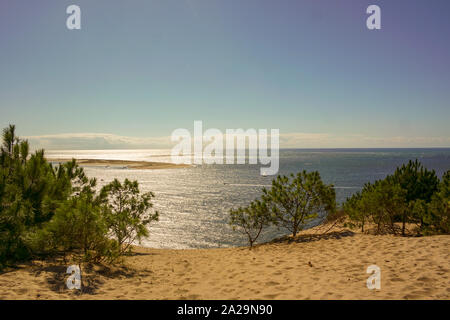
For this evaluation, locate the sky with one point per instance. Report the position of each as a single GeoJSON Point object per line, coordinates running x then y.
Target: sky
{"type": "Point", "coordinates": [137, 70]}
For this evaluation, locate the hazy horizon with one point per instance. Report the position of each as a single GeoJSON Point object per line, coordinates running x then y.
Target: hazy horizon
{"type": "Point", "coordinates": [287, 141]}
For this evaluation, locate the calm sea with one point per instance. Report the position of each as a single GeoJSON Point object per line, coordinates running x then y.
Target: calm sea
{"type": "Point", "coordinates": [194, 202]}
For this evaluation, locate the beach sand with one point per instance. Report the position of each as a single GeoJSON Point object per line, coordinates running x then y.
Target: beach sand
{"type": "Point", "coordinates": [330, 266]}
{"type": "Point", "coordinates": [123, 164]}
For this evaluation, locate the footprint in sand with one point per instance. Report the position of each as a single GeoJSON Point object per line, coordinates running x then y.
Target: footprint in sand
{"type": "Point", "coordinates": [288, 268]}
{"type": "Point", "coordinates": [425, 280]}
{"type": "Point", "coordinates": [415, 295]}
{"type": "Point", "coordinates": [181, 291]}
{"type": "Point", "coordinates": [281, 288]}
{"type": "Point", "coordinates": [227, 290]}
{"type": "Point", "coordinates": [20, 291]}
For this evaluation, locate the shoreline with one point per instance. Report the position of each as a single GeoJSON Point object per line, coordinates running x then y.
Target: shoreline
{"type": "Point", "coordinates": [311, 266]}
{"type": "Point", "coordinates": [122, 164]}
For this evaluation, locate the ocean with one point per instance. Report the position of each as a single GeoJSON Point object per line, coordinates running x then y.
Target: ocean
{"type": "Point", "coordinates": [194, 202]}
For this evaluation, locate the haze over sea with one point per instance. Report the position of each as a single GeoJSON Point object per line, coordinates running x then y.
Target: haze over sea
{"type": "Point", "coordinates": [194, 202]}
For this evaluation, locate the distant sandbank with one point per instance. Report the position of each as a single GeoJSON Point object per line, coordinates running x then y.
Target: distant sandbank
{"type": "Point", "coordinates": [123, 164]}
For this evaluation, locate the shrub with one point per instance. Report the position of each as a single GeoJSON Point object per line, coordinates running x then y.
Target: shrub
{"type": "Point", "coordinates": [79, 227]}
{"type": "Point", "coordinates": [28, 195]}
{"type": "Point", "coordinates": [388, 202]}
{"type": "Point", "coordinates": [297, 200]}
{"type": "Point", "coordinates": [251, 220]}
{"type": "Point", "coordinates": [419, 185]}
{"type": "Point", "coordinates": [46, 209]}
{"type": "Point", "coordinates": [413, 194]}
{"type": "Point", "coordinates": [436, 214]}
{"type": "Point", "coordinates": [127, 212]}
{"type": "Point", "coordinates": [353, 208]}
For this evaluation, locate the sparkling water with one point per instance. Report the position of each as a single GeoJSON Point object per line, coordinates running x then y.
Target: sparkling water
{"type": "Point", "coordinates": [194, 202]}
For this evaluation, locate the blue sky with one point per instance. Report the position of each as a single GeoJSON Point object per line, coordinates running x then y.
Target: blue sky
{"type": "Point", "coordinates": [139, 69]}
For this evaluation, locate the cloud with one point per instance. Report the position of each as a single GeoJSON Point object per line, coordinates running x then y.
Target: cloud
{"type": "Point", "coordinates": [287, 140]}
{"type": "Point", "coordinates": [95, 141]}
{"type": "Point", "coordinates": [327, 140]}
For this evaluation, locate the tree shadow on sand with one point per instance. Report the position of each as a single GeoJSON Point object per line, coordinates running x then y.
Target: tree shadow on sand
{"type": "Point", "coordinates": [92, 277]}
{"type": "Point", "coordinates": [137, 254]}
{"type": "Point", "coordinates": [314, 237]}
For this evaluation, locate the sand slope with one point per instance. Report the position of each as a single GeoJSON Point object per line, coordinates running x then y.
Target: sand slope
{"type": "Point", "coordinates": [322, 267]}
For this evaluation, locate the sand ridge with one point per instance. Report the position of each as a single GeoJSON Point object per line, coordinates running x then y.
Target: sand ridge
{"type": "Point", "coordinates": [331, 266]}
{"type": "Point", "coordinates": [123, 164]}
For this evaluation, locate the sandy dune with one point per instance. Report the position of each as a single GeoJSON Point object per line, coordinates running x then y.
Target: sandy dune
{"type": "Point", "coordinates": [331, 266]}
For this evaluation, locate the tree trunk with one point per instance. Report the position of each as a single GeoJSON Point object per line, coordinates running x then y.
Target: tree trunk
{"type": "Point", "coordinates": [403, 223]}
